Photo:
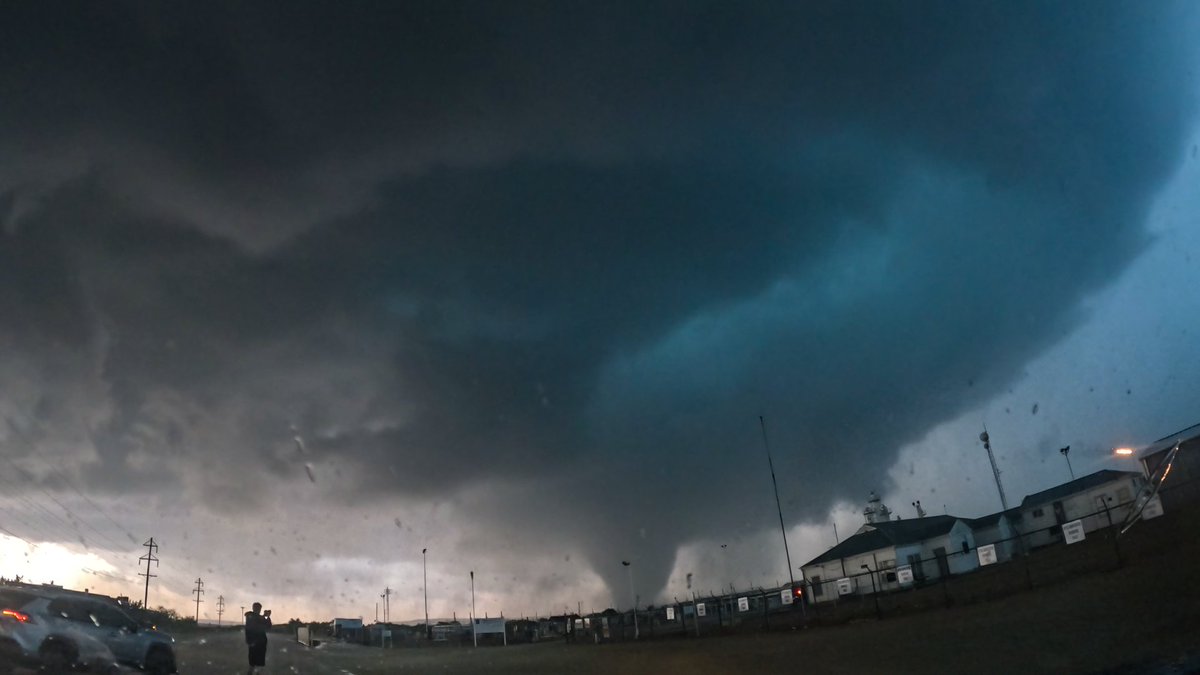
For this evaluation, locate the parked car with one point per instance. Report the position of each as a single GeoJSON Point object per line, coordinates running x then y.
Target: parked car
{"type": "Point", "coordinates": [64, 631]}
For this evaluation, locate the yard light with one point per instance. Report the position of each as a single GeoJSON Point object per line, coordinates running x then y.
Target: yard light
{"type": "Point", "coordinates": [1123, 452]}
{"type": "Point", "coordinates": [1066, 453]}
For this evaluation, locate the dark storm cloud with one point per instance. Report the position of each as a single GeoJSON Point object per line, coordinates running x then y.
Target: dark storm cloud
{"type": "Point", "coordinates": [578, 248]}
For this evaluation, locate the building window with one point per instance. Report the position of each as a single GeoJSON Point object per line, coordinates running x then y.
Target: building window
{"type": "Point", "coordinates": [1122, 495]}
{"type": "Point", "coordinates": [1037, 513]}
{"type": "Point", "coordinates": [816, 587]}
{"type": "Point", "coordinates": [965, 547]}
{"type": "Point", "coordinates": [890, 576]}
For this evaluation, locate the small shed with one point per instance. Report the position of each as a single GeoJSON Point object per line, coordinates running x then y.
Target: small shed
{"type": "Point", "coordinates": [347, 630]}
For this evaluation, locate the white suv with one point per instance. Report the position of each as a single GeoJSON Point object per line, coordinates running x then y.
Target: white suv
{"type": "Point", "coordinates": [64, 630]}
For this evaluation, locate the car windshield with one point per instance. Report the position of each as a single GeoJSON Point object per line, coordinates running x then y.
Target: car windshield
{"type": "Point", "coordinates": [520, 324]}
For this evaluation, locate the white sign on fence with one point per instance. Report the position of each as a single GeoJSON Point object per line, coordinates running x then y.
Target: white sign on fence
{"type": "Point", "coordinates": [1073, 532]}
{"type": "Point", "coordinates": [987, 554]}
{"type": "Point", "coordinates": [785, 596]}
{"type": "Point", "coordinates": [845, 586]}
{"type": "Point", "coordinates": [670, 614]}
{"type": "Point", "coordinates": [1153, 508]}
{"type": "Point", "coordinates": [700, 611]}
{"type": "Point", "coordinates": [743, 604]}
{"type": "Point", "coordinates": [904, 574]}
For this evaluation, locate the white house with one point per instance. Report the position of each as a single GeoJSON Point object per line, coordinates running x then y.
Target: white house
{"type": "Point", "coordinates": [1043, 513]}
{"type": "Point", "coordinates": [873, 559]}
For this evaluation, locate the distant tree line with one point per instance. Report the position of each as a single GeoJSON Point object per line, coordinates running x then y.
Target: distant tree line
{"type": "Point", "coordinates": [162, 617]}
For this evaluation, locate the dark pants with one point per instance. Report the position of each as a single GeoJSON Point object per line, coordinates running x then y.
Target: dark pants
{"type": "Point", "coordinates": [258, 653]}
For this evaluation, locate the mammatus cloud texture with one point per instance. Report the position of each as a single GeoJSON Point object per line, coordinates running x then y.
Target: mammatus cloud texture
{"type": "Point", "coordinates": [543, 269]}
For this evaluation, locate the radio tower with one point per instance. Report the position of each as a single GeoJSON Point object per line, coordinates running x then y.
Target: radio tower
{"type": "Point", "coordinates": [220, 609]}
{"type": "Point", "coordinates": [198, 591]}
{"type": "Point", "coordinates": [149, 558]}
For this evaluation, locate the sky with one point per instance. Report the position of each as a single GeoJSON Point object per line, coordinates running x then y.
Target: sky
{"type": "Point", "coordinates": [302, 289]}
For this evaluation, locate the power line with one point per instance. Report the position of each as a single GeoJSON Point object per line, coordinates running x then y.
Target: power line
{"type": "Point", "coordinates": [24, 518]}
{"type": "Point", "coordinates": [72, 525]}
{"type": "Point", "coordinates": [20, 433]}
{"type": "Point", "coordinates": [34, 481]}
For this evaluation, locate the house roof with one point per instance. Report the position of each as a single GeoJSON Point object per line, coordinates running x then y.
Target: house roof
{"type": "Point", "coordinates": [1169, 441]}
{"type": "Point", "coordinates": [991, 519]}
{"type": "Point", "coordinates": [889, 533]}
{"type": "Point", "coordinates": [1078, 485]}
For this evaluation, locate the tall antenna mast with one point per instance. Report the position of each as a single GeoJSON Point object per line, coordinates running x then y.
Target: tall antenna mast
{"type": "Point", "coordinates": [995, 469]}
{"type": "Point", "coordinates": [791, 579]}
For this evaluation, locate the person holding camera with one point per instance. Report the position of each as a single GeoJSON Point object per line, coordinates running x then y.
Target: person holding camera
{"type": "Point", "coordinates": [257, 626]}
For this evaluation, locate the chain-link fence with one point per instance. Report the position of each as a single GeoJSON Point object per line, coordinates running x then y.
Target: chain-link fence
{"type": "Point", "coordinates": [1035, 557]}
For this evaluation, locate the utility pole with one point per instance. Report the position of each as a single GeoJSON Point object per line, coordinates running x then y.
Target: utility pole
{"type": "Point", "coordinates": [220, 609]}
{"type": "Point", "coordinates": [149, 558]}
{"type": "Point", "coordinates": [198, 591]}
{"type": "Point", "coordinates": [791, 579]}
{"type": "Point", "coordinates": [425, 586]}
{"type": "Point", "coordinates": [995, 469]}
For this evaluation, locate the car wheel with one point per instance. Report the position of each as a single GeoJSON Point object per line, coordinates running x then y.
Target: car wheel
{"type": "Point", "coordinates": [160, 661]}
{"type": "Point", "coordinates": [57, 655]}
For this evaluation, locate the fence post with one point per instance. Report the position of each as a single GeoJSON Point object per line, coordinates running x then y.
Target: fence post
{"type": "Point", "coordinates": [945, 579]}
{"type": "Point", "coordinates": [1112, 533]}
{"type": "Point", "coordinates": [766, 620]}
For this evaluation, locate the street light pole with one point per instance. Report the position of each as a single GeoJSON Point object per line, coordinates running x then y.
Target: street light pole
{"type": "Point", "coordinates": [474, 631]}
{"type": "Point", "coordinates": [425, 586]}
{"type": "Point", "coordinates": [1066, 453]}
{"type": "Point", "coordinates": [632, 591]}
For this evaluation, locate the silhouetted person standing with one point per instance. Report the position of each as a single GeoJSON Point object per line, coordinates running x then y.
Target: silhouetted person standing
{"type": "Point", "coordinates": [257, 626]}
